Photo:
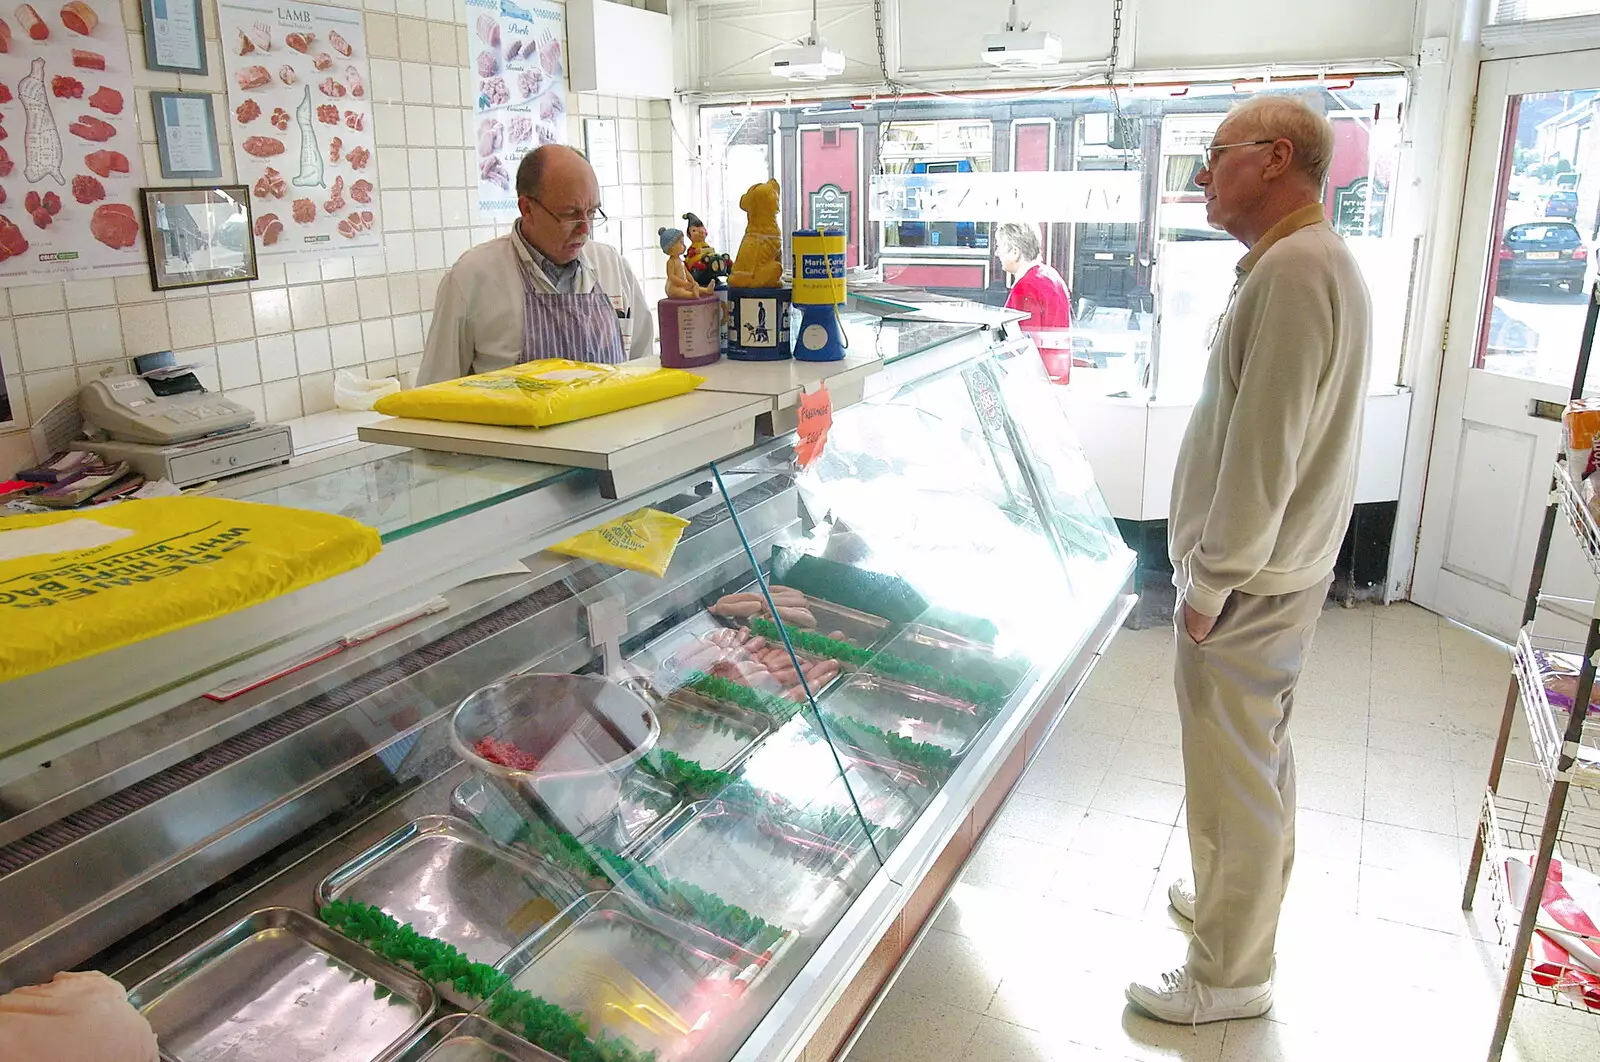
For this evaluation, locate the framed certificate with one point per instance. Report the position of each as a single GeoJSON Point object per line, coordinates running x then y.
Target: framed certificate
{"type": "Point", "coordinates": [174, 36]}
{"type": "Point", "coordinates": [186, 135]}
{"type": "Point", "coordinates": [198, 236]}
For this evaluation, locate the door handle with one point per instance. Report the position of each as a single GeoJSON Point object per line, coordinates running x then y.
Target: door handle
{"type": "Point", "coordinates": [1538, 407]}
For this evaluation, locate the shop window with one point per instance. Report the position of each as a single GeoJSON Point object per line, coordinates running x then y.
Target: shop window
{"type": "Point", "coordinates": [1146, 289]}
{"type": "Point", "coordinates": [1505, 11]}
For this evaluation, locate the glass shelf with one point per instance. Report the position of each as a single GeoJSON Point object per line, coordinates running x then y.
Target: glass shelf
{"type": "Point", "coordinates": [397, 491]}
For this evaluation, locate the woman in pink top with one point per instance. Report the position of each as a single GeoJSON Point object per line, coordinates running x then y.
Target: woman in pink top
{"type": "Point", "coordinates": [1038, 290]}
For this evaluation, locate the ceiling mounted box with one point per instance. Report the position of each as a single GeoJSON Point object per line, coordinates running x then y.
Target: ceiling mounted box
{"type": "Point", "coordinates": [619, 50]}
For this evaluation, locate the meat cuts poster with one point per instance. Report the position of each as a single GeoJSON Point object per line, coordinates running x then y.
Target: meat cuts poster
{"type": "Point", "coordinates": [69, 147]}
{"type": "Point", "coordinates": [302, 126]}
{"type": "Point", "coordinates": [516, 55]}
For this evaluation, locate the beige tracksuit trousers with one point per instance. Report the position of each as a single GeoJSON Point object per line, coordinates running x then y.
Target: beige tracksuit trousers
{"type": "Point", "coordinates": [1235, 695]}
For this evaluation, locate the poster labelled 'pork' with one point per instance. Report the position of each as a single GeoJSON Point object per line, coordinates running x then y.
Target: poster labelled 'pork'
{"type": "Point", "coordinates": [70, 167]}
{"type": "Point", "coordinates": [521, 90]}
{"type": "Point", "coordinates": [302, 126]}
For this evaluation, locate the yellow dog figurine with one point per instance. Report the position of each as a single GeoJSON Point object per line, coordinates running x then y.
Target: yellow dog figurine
{"type": "Point", "coordinates": [760, 260]}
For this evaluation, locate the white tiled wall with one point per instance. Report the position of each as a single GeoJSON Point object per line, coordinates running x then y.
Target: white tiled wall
{"type": "Point", "coordinates": [274, 344]}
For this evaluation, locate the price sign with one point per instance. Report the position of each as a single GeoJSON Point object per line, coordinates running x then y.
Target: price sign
{"type": "Point", "coordinates": [816, 417]}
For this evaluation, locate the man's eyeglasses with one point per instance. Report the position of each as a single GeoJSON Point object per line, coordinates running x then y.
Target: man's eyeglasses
{"type": "Point", "coordinates": [1216, 149]}
{"type": "Point", "coordinates": [573, 218]}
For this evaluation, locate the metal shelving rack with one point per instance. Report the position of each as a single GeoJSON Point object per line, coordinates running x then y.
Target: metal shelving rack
{"type": "Point", "coordinates": [1565, 753]}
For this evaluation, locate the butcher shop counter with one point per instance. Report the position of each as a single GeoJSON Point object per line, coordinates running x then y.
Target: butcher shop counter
{"type": "Point", "coordinates": [702, 815]}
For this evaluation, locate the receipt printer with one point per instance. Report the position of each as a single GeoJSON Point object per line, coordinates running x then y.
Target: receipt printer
{"type": "Point", "coordinates": [181, 433]}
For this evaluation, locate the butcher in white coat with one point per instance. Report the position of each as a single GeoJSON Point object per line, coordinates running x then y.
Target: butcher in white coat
{"type": "Point", "coordinates": [543, 290]}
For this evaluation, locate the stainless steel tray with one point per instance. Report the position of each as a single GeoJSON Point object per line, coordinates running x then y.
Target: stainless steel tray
{"type": "Point", "coordinates": [751, 860]}
{"type": "Point", "coordinates": [911, 712]}
{"type": "Point", "coordinates": [468, 1038]}
{"type": "Point", "coordinates": [645, 806]}
{"type": "Point", "coordinates": [957, 656]}
{"type": "Point", "coordinates": [634, 973]}
{"type": "Point", "coordinates": [453, 883]}
{"type": "Point", "coordinates": [708, 732]}
{"type": "Point", "coordinates": [279, 986]}
{"type": "Point", "coordinates": [858, 628]}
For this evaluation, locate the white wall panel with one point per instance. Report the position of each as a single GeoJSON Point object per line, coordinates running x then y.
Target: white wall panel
{"type": "Point", "coordinates": [947, 37]}
{"type": "Point", "coordinates": [1183, 33]}
{"type": "Point", "coordinates": [735, 41]}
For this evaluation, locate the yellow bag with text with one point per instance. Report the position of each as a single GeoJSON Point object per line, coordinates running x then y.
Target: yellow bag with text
{"type": "Point", "coordinates": [642, 541]}
{"type": "Point", "coordinates": [537, 394]}
{"type": "Point", "coordinates": [73, 584]}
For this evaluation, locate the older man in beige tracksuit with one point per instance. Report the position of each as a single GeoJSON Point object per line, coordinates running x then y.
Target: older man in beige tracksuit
{"type": "Point", "coordinates": [1260, 503]}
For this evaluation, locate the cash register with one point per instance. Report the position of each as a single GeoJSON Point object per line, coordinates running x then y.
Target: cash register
{"type": "Point", "coordinates": [166, 425]}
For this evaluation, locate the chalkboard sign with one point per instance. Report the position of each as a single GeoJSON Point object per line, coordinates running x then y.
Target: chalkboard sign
{"type": "Point", "coordinates": [830, 209]}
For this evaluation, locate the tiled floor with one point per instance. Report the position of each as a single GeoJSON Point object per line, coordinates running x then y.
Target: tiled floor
{"type": "Point", "coordinates": [1065, 900]}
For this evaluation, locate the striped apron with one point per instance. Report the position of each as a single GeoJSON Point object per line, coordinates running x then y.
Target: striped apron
{"type": "Point", "coordinates": [576, 327]}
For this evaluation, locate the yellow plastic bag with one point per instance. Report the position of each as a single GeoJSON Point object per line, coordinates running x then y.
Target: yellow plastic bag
{"type": "Point", "coordinates": [537, 394]}
{"type": "Point", "coordinates": [642, 541]}
{"type": "Point", "coordinates": [74, 584]}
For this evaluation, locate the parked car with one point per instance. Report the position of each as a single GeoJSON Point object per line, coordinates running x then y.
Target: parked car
{"type": "Point", "coordinates": [1559, 204]}
{"type": "Point", "coordinates": [1542, 252]}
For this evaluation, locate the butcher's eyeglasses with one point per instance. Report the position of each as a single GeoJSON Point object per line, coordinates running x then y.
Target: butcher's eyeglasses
{"type": "Point", "coordinates": [572, 219]}
{"type": "Point", "coordinates": [1216, 149]}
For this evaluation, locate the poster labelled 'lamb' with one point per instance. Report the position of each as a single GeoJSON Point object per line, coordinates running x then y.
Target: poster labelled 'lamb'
{"type": "Point", "coordinates": [70, 167]}
{"type": "Point", "coordinates": [521, 98]}
{"type": "Point", "coordinates": [302, 127]}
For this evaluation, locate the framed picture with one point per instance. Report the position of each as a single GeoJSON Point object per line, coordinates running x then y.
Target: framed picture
{"type": "Point", "coordinates": [186, 136]}
{"type": "Point", "coordinates": [174, 36]}
{"type": "Point", "coordinates": [197, 236]}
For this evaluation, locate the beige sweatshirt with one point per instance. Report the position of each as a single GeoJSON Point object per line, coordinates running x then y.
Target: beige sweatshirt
{"type": "Point", "coordinates": [1266, 476]}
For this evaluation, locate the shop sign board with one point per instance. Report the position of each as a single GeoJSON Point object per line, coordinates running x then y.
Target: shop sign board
{"type": "Point", "coordinates": [1082, 196]}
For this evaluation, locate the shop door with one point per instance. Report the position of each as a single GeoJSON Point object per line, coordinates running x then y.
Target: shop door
{"type": "Point", "coordinates": [830, 182]}
{"type": "Point", "coordinates": [1523, 271]}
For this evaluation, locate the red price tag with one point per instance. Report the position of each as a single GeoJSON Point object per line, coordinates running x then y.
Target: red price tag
{"type": "Point", "coordinates": [816, 417]}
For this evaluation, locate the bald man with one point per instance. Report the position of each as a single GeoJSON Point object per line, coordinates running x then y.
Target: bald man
{"type": "Point", "coordinates": [543, 290]}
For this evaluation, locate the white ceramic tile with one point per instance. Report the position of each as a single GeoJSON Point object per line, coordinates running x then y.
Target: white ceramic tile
{"type": "Point", "coordinates": [416, 82]}
{"type": "Point", "coordinates": [237, 364]}
{"type": "Point", "coordinates": [45, 389]}
{"type": "Point", "coordinates": [342, 268]}
{"type": "Point", "coordinates": [411, 8]}
{"type": "Point", "coordinates": [303, 272]}
{"type": "Point", "coordinates": [430, 250]}
{"type": "Point", "coordinates": [373, 297]}
{"type": "Point", "coordinates": [190, 323]}
{"type": "Point", "coordinates": [81, 294]}
{"type": "Point", "coordinates": [283, 399]}
{"type": "Point", "coordinates": [425, 213]}
{"type": "Point", "coordinates": [370, 265]}
{"type": "Point", "coordinates": [453, 169]}
{"type": "Point", "coordinates": [44, 341]}
{"type": "Point", "coordinates": [38, 298]}
{"type": "Point", "coordinates": [383, 35]}
{"type": "Point", "coordinates": [419, 125]}
{"type": "Point", "coordinates": [231, 317]}
{"type": "Point", "coordinates": [312, 350]}
{"type": "Point", "coordinates": [386, 83]}
{"type": "Point", "coordinates": [378, 339]}
{"type": "Point", "coordinates": [400, 251]}
{"type": "Point", "coordinates": [403, 293]}
{"type": "Point", "coordinates": [253, 397]}
{"type": "Point", "coordinates": [271, 311]}
{"type": "Point", "coordinates": [408, 334]}
{"type": "Point", "coordinates": [339, 300]}
{"type": "Point", "coordinates": [388, 125]}
{"type": "Point", "coordinates": [349, 348]}
{"type": "Point", "coordinates": [135, 288]}
{"type": "Point", "coordinates": [96, 334]}
{"type": "Point", "coordinates": [306, 307]}
{"type": "Point", "coordinates": [457, 242]}
{"type": "Point", "coordinates": [316, 393]}
{"type": "Point", "coordinates": [444, 42]}
{"type": "Point", "coordinates": [396, 209]}
{"type": "Point", "coordinates": [446, 85]}
{"type": "Point", "coordinates": [276, 353]}
{"type": "Point", "coordinates": [423, 165]}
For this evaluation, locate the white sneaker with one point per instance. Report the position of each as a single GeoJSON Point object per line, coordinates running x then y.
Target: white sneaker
{"type": "Point", "coordinates": [1181, 895]}
{"type": "Point", "coordinates": [1183, 1001]}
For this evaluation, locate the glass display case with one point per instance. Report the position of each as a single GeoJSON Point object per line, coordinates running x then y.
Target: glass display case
{"type": "Point", "coordinates": [619, 815]}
